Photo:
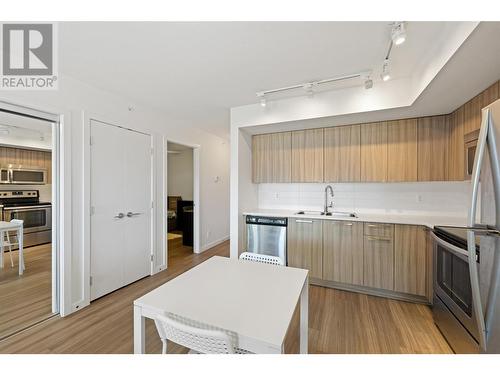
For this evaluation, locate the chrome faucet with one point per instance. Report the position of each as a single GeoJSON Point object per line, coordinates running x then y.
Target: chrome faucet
{"type": "Point", "coordinates": [327, 206]}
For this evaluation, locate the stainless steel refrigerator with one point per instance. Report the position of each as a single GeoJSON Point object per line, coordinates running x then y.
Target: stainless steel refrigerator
{"type": "Point", "coordinates": [484, 224]}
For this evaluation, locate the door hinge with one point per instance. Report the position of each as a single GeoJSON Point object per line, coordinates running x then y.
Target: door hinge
{"type": "Point", "coordinates": [152, 151]}
{"type": "Point", "coordinates": [152, 204]}
{"type": "Point", "coordinates": [92, 210]}
{"type": "Point", "coordinates": [91, 140]}
{"type": "Point", "coordinates": [91, 281]}
{"type": "Point", "coordinates": [152, 257]}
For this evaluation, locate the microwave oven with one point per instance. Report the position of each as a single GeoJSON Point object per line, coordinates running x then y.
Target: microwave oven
{"type": "Point", "coordinates": [23, 175]}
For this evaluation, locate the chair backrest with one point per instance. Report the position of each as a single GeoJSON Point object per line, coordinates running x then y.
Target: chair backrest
{"type": "Point", "coordinates": [202, 340]}
{"type": "Point", "coordinates": [261, 258]}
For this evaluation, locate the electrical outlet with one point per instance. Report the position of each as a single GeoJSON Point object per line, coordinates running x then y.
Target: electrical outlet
{"type": "Point", "coordinates": [208, 234]}
{"type": "Point", "coordinates": [420, 199]}
{"type": "Point", "coordinates": [276, 195]}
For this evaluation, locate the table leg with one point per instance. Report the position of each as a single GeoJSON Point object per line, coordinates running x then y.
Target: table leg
{"type": "Point", "coordinates": [304, 317]}
{"type": "Point", "coordinates": [20, 237]}
{"type": "Point", "coordinates": [139, 331]}
{"type": "Point", "coordinates": [1, 248]}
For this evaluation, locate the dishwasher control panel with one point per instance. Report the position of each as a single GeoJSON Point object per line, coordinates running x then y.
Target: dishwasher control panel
{"type": "Point", "coordinates": [266, 220]}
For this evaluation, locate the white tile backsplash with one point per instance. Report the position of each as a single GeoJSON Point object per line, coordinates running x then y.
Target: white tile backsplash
{"type": "Point", "coordinates": [433, 198]}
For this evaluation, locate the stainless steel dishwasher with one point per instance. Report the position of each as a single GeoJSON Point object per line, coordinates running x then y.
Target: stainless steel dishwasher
{"type": "Point", "coordinates": [267, 235]}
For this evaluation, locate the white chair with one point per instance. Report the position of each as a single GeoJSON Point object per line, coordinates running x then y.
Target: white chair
{"type": "Point", "coordinates": [9, 244]}
{"type": "Point", "coordinates": [194, 336]}
{"type": "Point", "coordinates": [261, 258]}
{"type": "Point", "coordinates": [6, 238]}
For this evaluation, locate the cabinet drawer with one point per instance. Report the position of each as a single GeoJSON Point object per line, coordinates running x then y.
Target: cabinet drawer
{"type": "Point", "coordinates": [379, 230]}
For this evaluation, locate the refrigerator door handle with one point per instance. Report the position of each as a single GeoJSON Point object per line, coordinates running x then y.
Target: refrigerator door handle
{"type": "Point", "coordinates": [471, 240]}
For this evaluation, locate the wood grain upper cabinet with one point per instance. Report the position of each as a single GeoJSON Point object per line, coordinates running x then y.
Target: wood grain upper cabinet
{"type": "Point", "coordinates": [27, 158]}
{"type": "Point", "coordinates": [402, 150]}
{"type": "Point", "coordinates": [305, 245]}
{"type": "Point", "coordinates": [489, 95]}
{"type": "Point", "coordinates": [342, 154]}
{"type": "Point", "coordinates": [378, 256]}
{"type": "Point", "coordinates": [410, 259]}
{"type": "Point", "coordinates": [472, 114]}
{"type": "Point", "coordinates": [456, 152]}
{"type": "Point", "coordinates": [343, 252]}
{"type": "Point", "coordinates": [271, 157]}
{"type": "Point", "coordinates": [307, 155]}
{"type": "Point", "coordinates": [433, 143]}
{"type": "Point", "coordinates": [374, 152]}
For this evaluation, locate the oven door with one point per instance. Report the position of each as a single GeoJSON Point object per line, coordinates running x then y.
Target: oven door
{"type": "Point", "coordinates": [31, 176]}
{"type": "Point", "coordinates": [36, 218]}
{"type": "Point", "coordinates": [452, 283]}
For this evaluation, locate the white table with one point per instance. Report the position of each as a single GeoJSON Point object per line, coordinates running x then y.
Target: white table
{"type": "Point", "coordinates": [9, 226]}
{"type": "Point", "coordinates": [254, 300]}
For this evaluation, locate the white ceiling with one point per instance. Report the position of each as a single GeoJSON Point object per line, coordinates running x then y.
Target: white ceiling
{"type": "Point", "coordinates": [23, 131]}
{"type": "Point", "coordinates": [195, 72]}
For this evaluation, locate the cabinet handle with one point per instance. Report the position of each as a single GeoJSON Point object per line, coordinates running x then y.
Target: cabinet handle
{"type": "Point", "coordinates": [348, 224]}
{"type": "Point", "coordinates": [371, 238]}
{"type": "Point", "coordinates": [377, 225]}
{"type": "Point", "coordinates": [304, 221]}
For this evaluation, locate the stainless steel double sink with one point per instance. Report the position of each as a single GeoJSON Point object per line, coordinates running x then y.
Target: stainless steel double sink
{"type": "Point", "coordinates": [339, 214]}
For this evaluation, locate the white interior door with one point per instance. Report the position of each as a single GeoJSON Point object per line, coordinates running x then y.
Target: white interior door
{"type": "Point", "coordinates": [120, 185]}
{"type": "Point", "coordinates": [137, 254]}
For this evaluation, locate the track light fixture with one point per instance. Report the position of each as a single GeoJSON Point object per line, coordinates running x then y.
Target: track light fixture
{"type": "Point", "coordinates": [310, 86]}
{"type": "Point", "coordinates": [398, 33]}
{"type": "Point", "coordinates": [309, 89]}
{"type": "Point", "coordinates": [263, 101]}
{"type": "Point", "coordinates": [385, 71]}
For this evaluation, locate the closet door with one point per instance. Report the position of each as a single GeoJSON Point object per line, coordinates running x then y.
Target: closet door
{"type": "Point", "coordinates": [120, 222]}
{"type": "Point", "coordinates": [107, 237]}
{"type": "Point", "coordinates": [137, 204]}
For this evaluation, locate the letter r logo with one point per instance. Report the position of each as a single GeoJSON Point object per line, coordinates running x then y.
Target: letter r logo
{"type": "Point", "coordinates": [28, 49]}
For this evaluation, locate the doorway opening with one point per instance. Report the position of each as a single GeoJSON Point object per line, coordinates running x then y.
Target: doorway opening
{"type": "Point", "coordinates": [28, 200]}
{"type": "Point", "coordinates": [181, 191]}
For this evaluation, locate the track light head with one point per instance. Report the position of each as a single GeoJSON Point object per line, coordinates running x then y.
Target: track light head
{"type": "Point", "coordinates": [398, 33]}
{"type": "Point", "coordinates": [263, 101]}
{"type": "Point", "coordinates": [385, 71]}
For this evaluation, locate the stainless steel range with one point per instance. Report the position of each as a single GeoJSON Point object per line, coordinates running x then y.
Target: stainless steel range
{"type": "Point", "coordinates": [37, 216]}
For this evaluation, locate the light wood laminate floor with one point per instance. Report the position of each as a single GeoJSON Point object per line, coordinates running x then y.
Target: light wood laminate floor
{"type": "Point", "coordinates": [340, 322]}
{"type": "Point", "coordinates": [25, 299]}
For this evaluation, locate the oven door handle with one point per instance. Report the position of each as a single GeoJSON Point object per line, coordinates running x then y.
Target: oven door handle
{"type": "Point", "coordinates": [471, 221]}
{"type": "Point", "coordinates": [450, 246]}
{"type": "Point", "coordinates": [26, 208]}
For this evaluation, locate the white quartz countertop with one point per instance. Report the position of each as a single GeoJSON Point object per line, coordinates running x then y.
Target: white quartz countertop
{"type": "Point", "coordinates": [391, 218]}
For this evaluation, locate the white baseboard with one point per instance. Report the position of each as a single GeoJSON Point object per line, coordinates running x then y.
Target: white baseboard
{"type": "Point", "coordinates": [213, 243]}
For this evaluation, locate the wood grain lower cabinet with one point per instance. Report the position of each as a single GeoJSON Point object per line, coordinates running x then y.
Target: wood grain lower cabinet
{"type": "Point", "coordinates": [402, 150]}
{"type": "Point", "coordinates": [307, 155]}
{"type": "Point", "coordinates": [433, 137]}
{"type": "Point", "coordinates": [374, 152]}
{"type": "Point", "coordinates": [305, 245]}
{"type": "Point", "coordinates": [343, 252]}
{"type": "Point", "coordinates": [410, 259]}
{"type": "Point", "coordinates": [271, 157]}
{"type": "Point", "coordinates": [378, 258]}
{"type": "Point", "coordinates": [342, 154]}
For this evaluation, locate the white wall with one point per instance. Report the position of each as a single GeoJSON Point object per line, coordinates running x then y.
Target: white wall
{"type": "Point", "coordinates": [447, 199]}
{"type": "Point", "coordinates": [74, 99]}
{"type": "Point", "coordinates": [180, 174]}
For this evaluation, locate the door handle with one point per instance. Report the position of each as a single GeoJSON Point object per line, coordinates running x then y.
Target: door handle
{"type": "Point", "coordinates": [130, 214]}
{"type": "Point", "coordinates": [304, 221]}
{"type": "Point", "coordinates": [121, 215]}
